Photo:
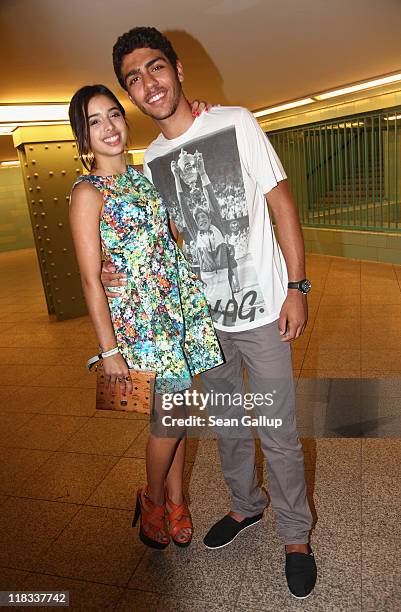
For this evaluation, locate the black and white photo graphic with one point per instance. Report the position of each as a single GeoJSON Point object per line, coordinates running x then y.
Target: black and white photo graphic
{"type": "Point", "coordinates": [204, 192]}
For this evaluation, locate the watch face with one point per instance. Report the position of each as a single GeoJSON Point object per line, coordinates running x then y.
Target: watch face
{"type": "Point", "coordinates": [306, 286]}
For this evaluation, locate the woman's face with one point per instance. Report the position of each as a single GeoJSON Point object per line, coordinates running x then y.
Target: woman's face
{"type": "Point", "coordinates": [107, 128]}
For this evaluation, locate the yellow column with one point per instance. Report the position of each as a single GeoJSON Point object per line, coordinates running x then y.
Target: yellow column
{"type": "Point", "coordinates": [50, 165]}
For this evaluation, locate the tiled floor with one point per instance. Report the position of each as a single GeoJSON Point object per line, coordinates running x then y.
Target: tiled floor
{"type": "Point", "coordinates": [69, 474]}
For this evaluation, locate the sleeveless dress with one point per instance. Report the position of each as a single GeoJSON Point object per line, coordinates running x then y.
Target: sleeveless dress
{"type": "Point", "coordinates": [161, 318]}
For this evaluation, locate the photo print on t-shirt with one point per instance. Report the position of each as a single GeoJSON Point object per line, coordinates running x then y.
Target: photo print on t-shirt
{"type": "Point", "coordinates": [203, 188]}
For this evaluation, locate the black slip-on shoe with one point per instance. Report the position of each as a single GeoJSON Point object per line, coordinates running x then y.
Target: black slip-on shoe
{"type": "Point", "coordinates": [301, 573]}
{"type": "Point", "coordinates": [227, 529]}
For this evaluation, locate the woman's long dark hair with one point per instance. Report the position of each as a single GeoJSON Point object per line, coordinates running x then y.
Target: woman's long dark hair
{"type": "Point", "coordinates": [78, 114]}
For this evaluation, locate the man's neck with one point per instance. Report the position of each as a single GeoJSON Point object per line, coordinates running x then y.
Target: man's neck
{"type": "Point", "coordinates": [179, 123]}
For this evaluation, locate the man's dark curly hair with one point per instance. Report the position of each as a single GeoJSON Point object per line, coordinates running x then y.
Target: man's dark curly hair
{"type": "Point", "coordinates": [141, 38]}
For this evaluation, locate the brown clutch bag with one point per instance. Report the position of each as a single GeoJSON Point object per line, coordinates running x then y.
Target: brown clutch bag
{"type": "Point", "coordinates": [141, 399]}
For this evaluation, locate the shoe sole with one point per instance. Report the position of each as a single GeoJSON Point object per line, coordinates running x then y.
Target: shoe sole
{"type": "Point", "coordinates": [236, 536]}
{"type": "Point", "coordinates": [298, 597]}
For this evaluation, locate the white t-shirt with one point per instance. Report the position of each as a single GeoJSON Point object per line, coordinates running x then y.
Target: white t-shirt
{"type": "Point", "coordinates": [223, 166]}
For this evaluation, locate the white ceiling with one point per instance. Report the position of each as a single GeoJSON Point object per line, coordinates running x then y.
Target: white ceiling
{"type": "Point", "coordinates": [249, 52]}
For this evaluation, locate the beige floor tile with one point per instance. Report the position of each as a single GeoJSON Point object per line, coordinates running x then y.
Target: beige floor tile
{"type": "Point", "coordinates": [377, 452]}
{"type": "Point", "coordinates": [17, 466]}
{"type": "Point", "coordinates": [385, 313]}
{"type": "Point", "coordinates": [381, 570]}
{"type": "Point", "coordinates": [341, 299]}
{"type": "Point", "coordinates": [143, 601]}
{"type": "Point", "coordinates": [12, 579]}
{"type": "Point", "coordinates": [378, 288]}
{"type": "Point", "coordinates": [27, 528]}
{"type": "Point", "coordinates": [383, 359]}
{"type": "Point", "coordinates": [343, 277]}
{"type": "Point", "coordinates": [46, 431]}
{"type": "Point", "coordinates": [373, 270]}
{"type": "Point", "coordinates": [98, 545]}
{"type": "Point", "coordinates": [10, 424]}
{"type": "Point", "coordinates": [381, 334]}
{"type": "Point", "coordinates": [120, 414]}
{"type": "Point", "coordinates": [191, 449]}
{"type": "Point", "coordinates": [26, 399]}
{"type": "Point", "coordinates": [69, 477]}
{"type": "Point", "coordinates": [28, 340]}
{"type": "Point", "coordinates": [314, 298]}
{"type": "Point", "coordinates": [119, 487]}
{"type": "Point", "coordinates": [323, 339]}
{"type": "Point", "coordinates": [318, 280]}
{"type": "Point", "coordinates": [379, 279]}
{"type": "Point", "coordinates": [341, 263]}
{"type": "Point", "coordinates": [15, 375]}
{"type": "Point", "coordinates": [336, 325]}
{"type": "Point", "coordinates": [382, 298]}
{"type": "Point", "coordinates": [334, 372]}
{"type": "Point", "coordinates": [10, 308]}
{"type": "Point", "coordinates": [337, 312]}
{"type": "Point", "coordinates": [312, 312]}
{"type": "Point", "coordinates": [105, 436]}
{"type": "Point", "coordinates": [338, 287]}
{"type": "Point", "coordinates": [84, 596]}
{"type": "Point", "coordinates": [62, 376]}
{"type": "Point", "coordinates": [298, 356]}
{"type": "Point", "coordinates": [88, 379]}
{"type": "Point", "coordinates": [45, 357]}
{"type": "Point", "coordinates": [7, 326]}
{"type": "Point", "coordinates": [138, 447]}
{"type": "Point", "coordinates": [73, 402]}
{"type": "Point", "coordinates": [302, 342]}
{"type": "Point", "coordinates": [3, 499]}
{"type": "Point", "coordinates": [373, 373]}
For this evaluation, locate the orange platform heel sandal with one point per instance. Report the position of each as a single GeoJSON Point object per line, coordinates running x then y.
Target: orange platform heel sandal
{"type": "Point", "coordinates": [152, 531]}
{"type": "Point", "coordinates": [178, 518]}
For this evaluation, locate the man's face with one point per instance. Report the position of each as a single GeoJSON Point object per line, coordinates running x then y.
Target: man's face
{"type": "Point", "coordinates": [203, 222]}
{"type": "Point", "coordinates": [152, 83]}
{"type": "Point", "coordinates": [234, 226]}
{"type": "Point", "coordinates": [189, 172]}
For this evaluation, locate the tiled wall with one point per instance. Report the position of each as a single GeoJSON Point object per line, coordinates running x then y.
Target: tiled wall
{"type": "Point", "coordinates": [353, 244]}
{"type": "Point", "coordinates": [15, 225]}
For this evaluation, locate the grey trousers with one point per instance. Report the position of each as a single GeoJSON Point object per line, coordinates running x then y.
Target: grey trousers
{"type": "Point", "coordinates": [266, 361]}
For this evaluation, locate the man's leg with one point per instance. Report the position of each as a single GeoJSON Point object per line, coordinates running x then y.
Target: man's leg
{"type": "Point", "coordinates": [269, 368]}
{"type": "Point", "coordinates": [268, 363]}
{"type": "Point", "coordinates": [236, 445]}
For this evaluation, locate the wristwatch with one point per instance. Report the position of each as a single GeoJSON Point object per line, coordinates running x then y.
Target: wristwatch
{"type": "Point", "coordinates": [304, 286]}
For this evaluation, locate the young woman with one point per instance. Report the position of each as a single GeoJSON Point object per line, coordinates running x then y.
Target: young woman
{"type": "Point", "coordinates": [160, 321]}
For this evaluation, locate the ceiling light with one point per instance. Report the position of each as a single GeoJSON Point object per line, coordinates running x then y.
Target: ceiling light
{"type": "Point", "coordinates": [392, 118]}
{"type": "Point", "coordinates": [7, 164]}
{"type": "Point", "coordinates": [6, 130]}
{"type": "Point", "coordinates": [23, 113]}
{"type": "Point", "coordinates": [136, 151]}
{"type": "Point", "coordinates": [367, 85]}
{"type": "Point", "coordinates": [277, 109]}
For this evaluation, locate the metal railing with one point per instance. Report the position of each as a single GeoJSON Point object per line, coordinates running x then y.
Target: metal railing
{"type": "Point", "coordinates": [345, 172]}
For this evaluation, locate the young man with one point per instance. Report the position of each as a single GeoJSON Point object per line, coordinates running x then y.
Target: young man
{"type": "Point", "coordinates": [255, 329]}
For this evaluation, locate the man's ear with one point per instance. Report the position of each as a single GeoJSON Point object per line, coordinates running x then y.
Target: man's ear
{"type": "Point", "coordinates": [180, 71]}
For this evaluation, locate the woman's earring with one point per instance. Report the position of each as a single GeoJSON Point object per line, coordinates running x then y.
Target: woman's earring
{"type": "Point", "coordinates": [88, 160]}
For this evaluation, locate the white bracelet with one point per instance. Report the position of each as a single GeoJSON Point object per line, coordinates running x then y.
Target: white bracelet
{"type": "Point", "coordinates": [111, 352]}
{"type": "Point", "coordinates": [96, 358]}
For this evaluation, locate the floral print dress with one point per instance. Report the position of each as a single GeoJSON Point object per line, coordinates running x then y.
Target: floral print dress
{"type": "Point", "coordinates": [161, 318]}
